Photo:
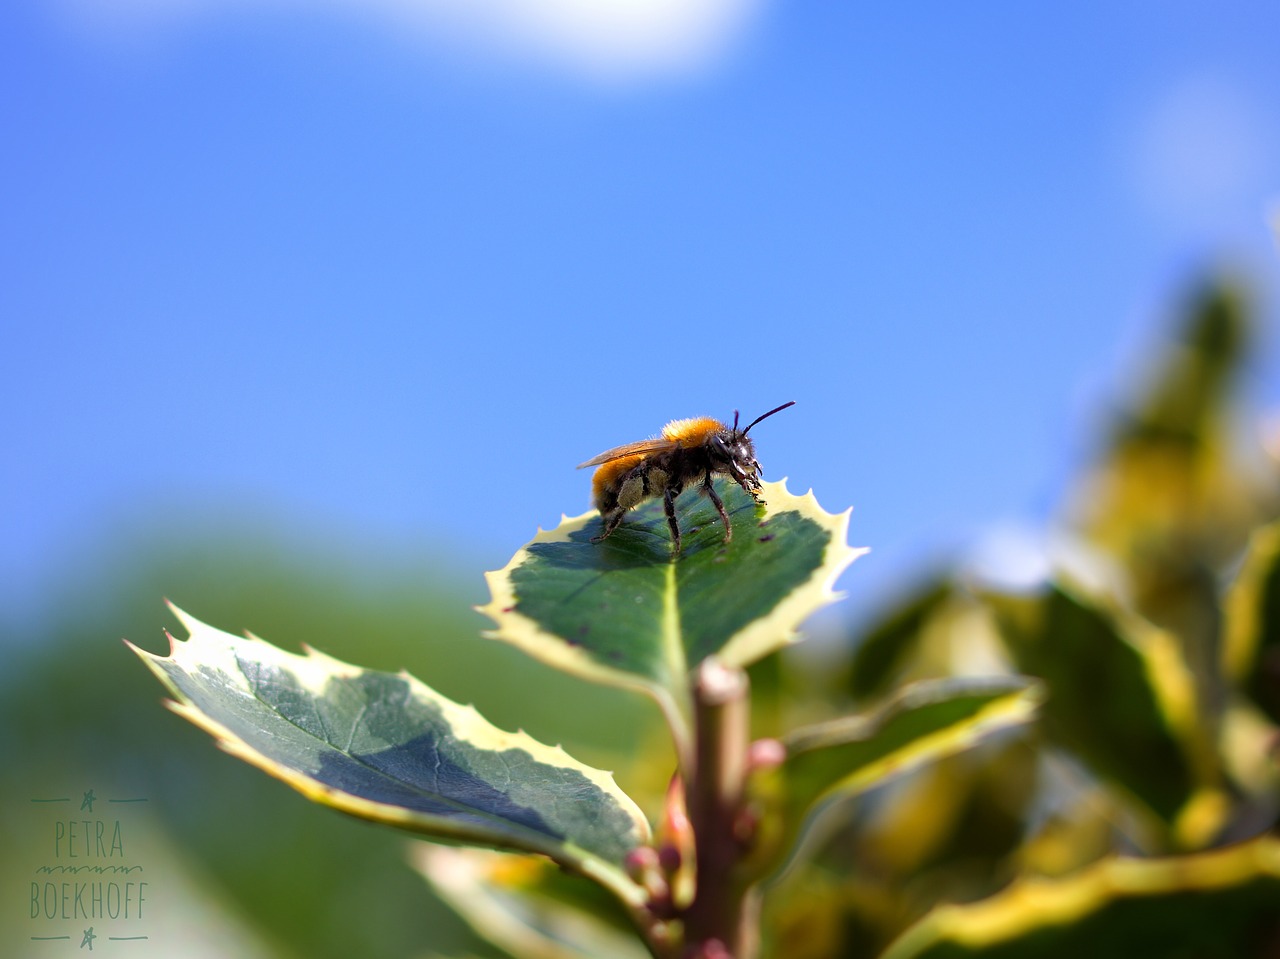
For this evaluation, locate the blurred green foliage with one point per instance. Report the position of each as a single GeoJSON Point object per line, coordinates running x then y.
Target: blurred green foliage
{"type": "Point", "coordinates": [1156, 637]}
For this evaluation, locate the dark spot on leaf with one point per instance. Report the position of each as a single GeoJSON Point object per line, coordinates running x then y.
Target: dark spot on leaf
{"type": "Point", "coordinates": [767, 538]}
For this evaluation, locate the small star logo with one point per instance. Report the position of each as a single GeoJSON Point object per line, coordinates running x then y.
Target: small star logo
{"type": "Point", "coordinates": [88, 939]}
{"type": "Point", "coordinates": [87, 802]}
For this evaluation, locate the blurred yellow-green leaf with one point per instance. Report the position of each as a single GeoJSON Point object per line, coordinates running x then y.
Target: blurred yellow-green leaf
{"type": "Point", "coordinates": [1119, 697]}
{"type": "Point", "coordinates": [923, 723]}
{"type": "Point", "coordinates": [1251, 641]}
{"type": "Point", "coordinates": [1212, 905]}
{"type": "Point", "coordinates": [884, 650]}
{"type": "Point", "coordinates": [526, 906]}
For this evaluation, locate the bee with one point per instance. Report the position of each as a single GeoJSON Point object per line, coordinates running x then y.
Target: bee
{"type": "Point", "coordinates": [688, 451]}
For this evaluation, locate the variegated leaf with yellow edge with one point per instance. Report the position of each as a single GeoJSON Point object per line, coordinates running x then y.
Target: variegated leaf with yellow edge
{"type": "Point", "coordinates": [1122, 699]}
{"type": "Point", "coordinates": [385, 747]}
{"type": "Point", "coordinates": [1251, 630]}
{"type": "Point", "coordinates": [923, 723]}
{"type": "Point", "coordinates": [526, 906]}
{"type": "Point", "coordinates": [624, 611]}
{"type": "Point", "coordinates": [1211, 905]}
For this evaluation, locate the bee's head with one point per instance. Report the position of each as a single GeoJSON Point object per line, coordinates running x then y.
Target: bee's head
{"type": "Point", "coordinates": [736, 451]}
{"type": "Point", "coordinates": [732, 448]}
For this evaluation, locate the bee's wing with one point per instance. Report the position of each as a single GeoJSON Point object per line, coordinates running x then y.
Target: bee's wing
{"type": "Point", "coordinates": [653, 445]}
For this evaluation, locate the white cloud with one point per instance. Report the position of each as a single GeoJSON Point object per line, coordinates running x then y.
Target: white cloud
{"type": "Point", "coordinates": [1011, 556]}
{"type": "Point", "coordinates": [1204, 149]}
{"type": "Point", "coordinates": [602, 39]}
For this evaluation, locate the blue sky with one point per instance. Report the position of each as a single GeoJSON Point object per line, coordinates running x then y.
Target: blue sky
{"type": "Point", "coordinates": [388, 270]}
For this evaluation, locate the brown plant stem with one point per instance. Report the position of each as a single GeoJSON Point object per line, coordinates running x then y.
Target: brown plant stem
{"type": "Point", "coordinates": [719, 919]}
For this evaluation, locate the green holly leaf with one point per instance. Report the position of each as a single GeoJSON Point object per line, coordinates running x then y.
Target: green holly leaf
{"type": "Point", "coordinates": [1216, 905]}
{"type": "Point", "coordinates": [385, 747]}
{"type": "Point", "coordinates": [625, 611]}
{"type": "Point", "coordinates": [893, 641]}
{"type": "Point", "coordinates": [923, 723]}
{"type": "Point", "coordinates": [1122, 698]}
{"type": "Point", "coordinates": [526, 906]}
{"type": "Point", "coordinates": [1251, 628]}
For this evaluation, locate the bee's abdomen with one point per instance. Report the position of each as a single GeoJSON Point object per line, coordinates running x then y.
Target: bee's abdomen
{"type": "Point", "coordinates": [610, 479]}
{"type": "Point", "coordinates": [626, 482]}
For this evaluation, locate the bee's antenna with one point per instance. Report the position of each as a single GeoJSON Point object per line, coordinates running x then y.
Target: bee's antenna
{"type": "Point", "coordinates": [778, 409]}
{"type": "Point", "coordinates": [735, 421]}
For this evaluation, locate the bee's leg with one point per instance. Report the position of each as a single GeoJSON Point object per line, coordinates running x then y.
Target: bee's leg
{"type": "Point", "coordinates": [669, 504]}
{"type": "Point", "coordinates": [724, 517]}
{"type": "Point", "coordinates": [611, 522]}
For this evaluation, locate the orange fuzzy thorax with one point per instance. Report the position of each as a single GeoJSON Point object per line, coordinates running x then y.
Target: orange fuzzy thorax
{"type": "Point", "coordinates": [692, 432]}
